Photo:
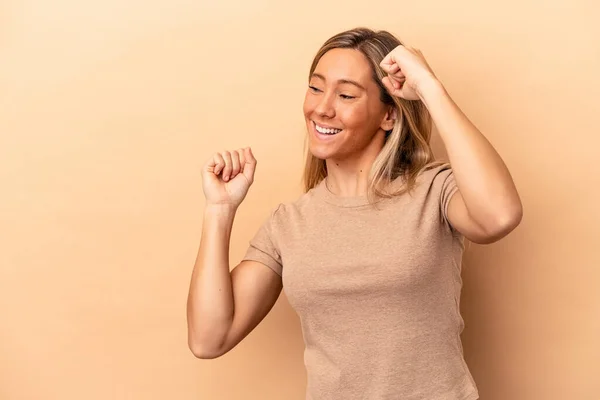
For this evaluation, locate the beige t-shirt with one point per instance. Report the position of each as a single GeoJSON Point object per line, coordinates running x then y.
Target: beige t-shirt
{"type": "Point", "coordinates": [377, 291]}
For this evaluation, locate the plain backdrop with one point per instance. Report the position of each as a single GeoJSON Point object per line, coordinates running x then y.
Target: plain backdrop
{"type": "Point", "coordinates": [108, 110]}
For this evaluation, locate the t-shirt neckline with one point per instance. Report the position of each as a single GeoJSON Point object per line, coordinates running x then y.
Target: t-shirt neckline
{"type": "Point", "coordinates": [341, 201]}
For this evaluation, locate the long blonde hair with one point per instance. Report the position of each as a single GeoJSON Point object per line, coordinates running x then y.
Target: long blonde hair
{"type": "Point", "coordinates": [406, 151]}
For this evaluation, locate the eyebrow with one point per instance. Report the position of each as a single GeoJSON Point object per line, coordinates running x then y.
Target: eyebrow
{"type": "Point", "coordinates": [349, 81]}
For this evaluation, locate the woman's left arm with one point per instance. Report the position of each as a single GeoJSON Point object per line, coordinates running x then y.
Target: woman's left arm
{"type": "Point", "coordinates": [487, 206]}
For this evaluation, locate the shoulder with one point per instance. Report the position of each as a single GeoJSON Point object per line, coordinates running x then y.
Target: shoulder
{"type": "Point", "coordinates": [431, 176]}
{"type": "Point", "coordinates": [286, 212]}
{"type": "Point", "coordinates": [435, 172]}
{"type": "Point", "coordinates": [301, 203]}
{"type": "Point", "coordinates": [436, 178]}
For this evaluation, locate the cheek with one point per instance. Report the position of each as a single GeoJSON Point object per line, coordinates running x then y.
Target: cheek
{"type": "Point", "coordinates": [308, 105]}
{"type": "Point", "coordinates": [354, 116]}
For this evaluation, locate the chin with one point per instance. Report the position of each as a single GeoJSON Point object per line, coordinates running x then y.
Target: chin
{"type": "Point", "coordinates": [321, 155]}
{"type": "Point", "coordinates": [320, 152]}
{"type": "Point", "coordinates": [320, 149]}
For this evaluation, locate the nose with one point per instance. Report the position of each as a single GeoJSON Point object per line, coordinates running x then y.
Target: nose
{"type": "Point", "coordinates": [325, 107]}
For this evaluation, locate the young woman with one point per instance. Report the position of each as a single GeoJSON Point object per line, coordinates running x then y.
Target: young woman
{"type": "Point", "coordinates": [370, 254]}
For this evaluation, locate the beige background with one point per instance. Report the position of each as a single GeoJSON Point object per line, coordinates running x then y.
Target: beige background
{"type": "Point", "coordinates": [108, 109]}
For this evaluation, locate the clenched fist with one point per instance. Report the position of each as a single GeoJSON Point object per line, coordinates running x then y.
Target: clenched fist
{"type": "Point", "coordinates": [227, 176]}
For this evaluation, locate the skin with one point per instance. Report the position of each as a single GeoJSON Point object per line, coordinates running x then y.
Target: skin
{"type": "Point", "coordinates": [224, 307]}
{"type": "Point", "coordinates": [358, 111]}
{"type": "Point", "coordinates": [487, 206]}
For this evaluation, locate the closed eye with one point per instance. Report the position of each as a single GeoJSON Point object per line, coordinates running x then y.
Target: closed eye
{"type": "Point", "coordinates": [343, 96]}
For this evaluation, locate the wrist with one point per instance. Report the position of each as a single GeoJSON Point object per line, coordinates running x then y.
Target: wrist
{"type": "Point", "coordinates": [220, 209]}
{"type": "Point", "coordinates": [429, 87]}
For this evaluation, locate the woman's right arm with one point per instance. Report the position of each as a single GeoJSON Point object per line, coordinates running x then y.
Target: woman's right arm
{"type": "Point", "coordinates": [223, 307]}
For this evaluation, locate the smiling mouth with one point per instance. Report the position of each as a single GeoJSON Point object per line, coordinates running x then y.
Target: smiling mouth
{"type": "Point", "coordinates": [326, 131]}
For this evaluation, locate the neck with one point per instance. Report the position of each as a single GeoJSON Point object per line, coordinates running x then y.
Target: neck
{"type": "Point", "coordinates": [346, 184]}
{"type": "Point", "coordinates": [349, 177]}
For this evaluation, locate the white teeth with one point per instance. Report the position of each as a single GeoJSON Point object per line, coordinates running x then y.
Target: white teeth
{"type": "Point", "coordinates": [327, 130]}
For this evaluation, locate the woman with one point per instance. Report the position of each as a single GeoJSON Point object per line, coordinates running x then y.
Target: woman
{"type": "Point", "coordinates": [370, 254]}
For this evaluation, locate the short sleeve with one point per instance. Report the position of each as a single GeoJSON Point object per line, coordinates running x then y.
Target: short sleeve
{"type": "Point", "coordinates": [447, 190]}
{"type": "Point", "coordinates": [263, 246]}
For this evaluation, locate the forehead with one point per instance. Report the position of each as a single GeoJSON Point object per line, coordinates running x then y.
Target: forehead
{"type": "Point", "coordinates": [344, 64]}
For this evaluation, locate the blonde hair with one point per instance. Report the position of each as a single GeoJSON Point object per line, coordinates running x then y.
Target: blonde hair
{"type": "Point", "coordinates": [406, 151]}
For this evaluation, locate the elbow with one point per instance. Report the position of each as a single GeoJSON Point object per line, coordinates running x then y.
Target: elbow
{"type": "Point", "coordinates": [497, 228]}
{"type": "Point", "coordinates": [503, 225]}
{"type": "Point", "coordinates": [206, 341]}
{"type": "Point", "coordinates": [205, 345]}
{"type": "Point", "coordinates": [510, 220]}
{"type": "Point", "coordinates": [202, 351]}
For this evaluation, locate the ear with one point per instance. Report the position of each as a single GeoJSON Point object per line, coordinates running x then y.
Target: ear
{"type": "Point", "coordinates": [389, 119]}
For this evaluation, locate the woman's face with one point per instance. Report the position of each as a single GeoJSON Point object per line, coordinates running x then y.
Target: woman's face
{"type": "Point", "coordinates": [342, 107]}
